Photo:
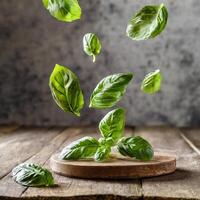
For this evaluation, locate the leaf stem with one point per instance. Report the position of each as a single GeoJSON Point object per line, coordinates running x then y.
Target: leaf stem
{"type": "Point", "coordinates": [93, 58]}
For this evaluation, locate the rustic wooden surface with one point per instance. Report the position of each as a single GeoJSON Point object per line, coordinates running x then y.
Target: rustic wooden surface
{"type": "Point", "coordinates": [23, 144]}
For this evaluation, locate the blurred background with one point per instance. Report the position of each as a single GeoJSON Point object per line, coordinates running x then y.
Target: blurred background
{"type": "Point", "coordinates": [32, 42]}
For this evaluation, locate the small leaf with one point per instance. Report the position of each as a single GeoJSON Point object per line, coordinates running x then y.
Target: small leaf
{"type": "Point", "coordinates": [149, 22]}
{"type": "Point", "coordinates": [102, 153]}
{"type": "Point", "coordinates": [152, 82]}
{"type": "Point", "coordinates": [112, 125]}
{"type": "Point", "coordinates": [135, 147]}
{"type": "Point", "coordinates": [85, 147]}
{"type": "Point", "coordinates": [66, 90]}
{"type": "Point", "coordinates": [29, 174]}
{"type": "Point", "coordinates": [110, 90]}
{"type": "Point", "coordinates": [91, 45]}
{"type": "Point", "coordinates": [63, 10]}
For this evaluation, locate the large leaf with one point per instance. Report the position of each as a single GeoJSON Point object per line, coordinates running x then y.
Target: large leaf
{"type": "Point", "coordinates": [152, 82]}
{"type": "Point", "coordinates": [66, 90]}
{"type": "Point", "coordinates": [135, 147]}
{"type": "Point", "coordinates": [110, 90]}
{"type": "Point", "coordinates": [102, 153]}
{"type": "Point", "coordinates": [112, 125]}
{"type": "Point", "coordinates": [149, 22]}
{"type": "Point", "coordinates": [29, 174]}
{"type": "Point", "coordinates": [63, 10]}
{"type": "Point", "coordinates": [85, 147]}
{"type": "Point", "coordinates": [91, 45]}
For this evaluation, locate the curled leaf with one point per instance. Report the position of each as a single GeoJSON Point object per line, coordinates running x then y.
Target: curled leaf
{"type": "Point", "coordinates": [63, 10]}
{"type": "Point", "coordinates": [149, 22]}
{"type": "Point", "coordinates": [152, 82]}
{"type": "Point", "coordinates": [91, 45]}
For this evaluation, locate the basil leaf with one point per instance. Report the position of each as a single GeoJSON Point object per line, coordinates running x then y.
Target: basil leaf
{"type": "Point", "coordinates": [66, 90]}
{"type": "Point", "coordinates": [149, 22]}
{"type": "Point", "coordinates": [85, 147]}
{"type": "Point", "coordinates": [91, 45]}
{"type": "Point", "coordinates": [29, 174]}
{"type": "Point", "coordinates": [102, 153]}
{"type": "Point", "coordinates": [152, 82]}
{"type": "Point", "coordinates": [106, 141]}
{"type": "Point", "coordinates": [112, 125]}
{"type": "Point", "coordinates": [110, 90]}
{"type": "Point", "coordinates": [63, 10]}
{"type": "Point", "coordinates": [135, 147]}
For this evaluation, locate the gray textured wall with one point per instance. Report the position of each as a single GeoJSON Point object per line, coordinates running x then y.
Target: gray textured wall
{"type": "Point", "coordinates": [31, 42]}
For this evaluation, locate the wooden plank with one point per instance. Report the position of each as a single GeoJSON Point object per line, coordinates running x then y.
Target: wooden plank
{"type": "Point", "coordinates": [23, 144]}
{"type": "Point", "coordinates": [192, 137]}
{"type": "Point", "coordinates": [69, 188]}
{"type": "Point", "coordinates": [8, 188]}
{"type": "Point", "coordinates": [185, 182]}
{"type": "Point", "coordinates": [7, 135]}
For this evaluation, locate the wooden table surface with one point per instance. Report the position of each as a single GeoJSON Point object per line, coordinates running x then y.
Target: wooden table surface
{"type": "Point", "coordinates": [33, 144]}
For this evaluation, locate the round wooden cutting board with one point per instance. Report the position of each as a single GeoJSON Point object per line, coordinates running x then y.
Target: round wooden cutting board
{"type": "Point", "coordinates": [115, 168]}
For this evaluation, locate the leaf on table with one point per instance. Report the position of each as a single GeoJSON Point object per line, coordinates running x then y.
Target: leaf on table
{"type": "Point", "coordinates": [85, 147]}
{"type": "Point", "coordinates": [135, 147]}
{"type": "Point", "coordinates": [112, 125]}
{"type": "Point", "coordinates": [29, 174]}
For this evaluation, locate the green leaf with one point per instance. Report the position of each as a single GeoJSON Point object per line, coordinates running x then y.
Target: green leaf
{"type": "Point", "coordinates": [106, 141]}
{"type": "Point", "coordinates": [102, 153]}
{"type": "Point", "coordinates": [135, 147]}
{"type": "Point", "coordinates": [63, 10]}
{"type": "Point", "coordinates": [85, 147]}
{"type": "Point", "coordinates": [66, 90]}
{"type": "Point", "coordinates": [149, 22]}
{"type": "Point", "coordinates": [152, 82]}
{"type": "Point", "coordinates": [29, 174]}
{"type": "Point", "coordinates": [91, 45]}
{"type": "Point", "coordinates": [112, 125]}
{"type": "Point", "coordinates": [110, 90]}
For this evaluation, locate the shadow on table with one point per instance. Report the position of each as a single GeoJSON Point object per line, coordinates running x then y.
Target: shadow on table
{"type": "Point", "coordinates": [179, 174]}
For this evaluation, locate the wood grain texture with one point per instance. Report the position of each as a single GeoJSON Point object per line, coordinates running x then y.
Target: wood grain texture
{"type": "Point", "coordinates": [115, 168]}
{"type": "Point", "coordinates": [7, 132]}
{"type": "Point", "coordinates": [71, 188]}
{"type": "Point", "coordinates": [38, 144]}
{"type": "Point", "coordinates": [25, 144]}
{"type": "Point", "coordinates": [21, 145]}
{"type": "Point", "coordinates": [185, 182]}
{"type": "Point", "coordinates": [192, 137]}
